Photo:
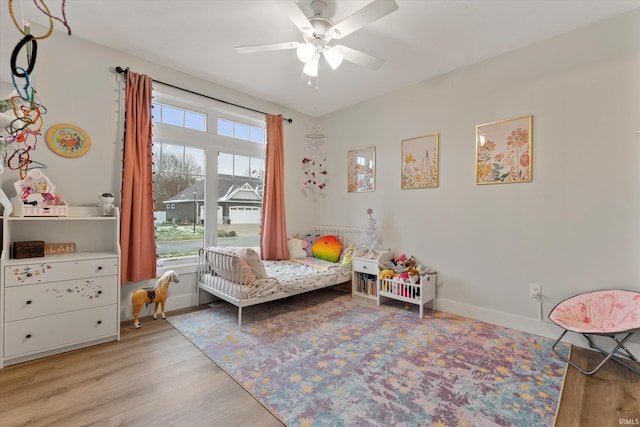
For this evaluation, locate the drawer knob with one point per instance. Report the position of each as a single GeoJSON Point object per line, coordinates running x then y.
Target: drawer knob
{"type": "Point", "coordinates": [364, 267]}
{"type": "Point", "coordinates": [99, 267]}
{"type": "Point", "coordinates": [99, 322]}
{"type": "Point", "coordinates": [28, 336]}
{"type": "Point", "coordinates": [28, 302]}
{"type": "Point", "coordinates": [99, 292]}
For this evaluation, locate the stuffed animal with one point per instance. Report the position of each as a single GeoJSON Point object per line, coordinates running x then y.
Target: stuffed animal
{"type": "Point", "coordinates": [346, 258]}
{"type": "Point", "coordinates": [386, 265]}
{"type": "Point", "coordinates": [410, 262]}
{"type": "Point", "coordinates": [327, 248]}
{"type": "Point", "coordinates": [414, 274]}
{"type": "Point", "coordinates": [386, 274]}
{"type": "Point", "coordinates": [399, 260]}
{"type": "Point", "coordinates": [296, 248]}
{"type": "Point", "coordinates": [310, 241]}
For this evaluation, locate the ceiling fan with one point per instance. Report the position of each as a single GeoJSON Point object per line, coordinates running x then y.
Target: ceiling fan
{"type": "Point", "coordinates": [318, 31]}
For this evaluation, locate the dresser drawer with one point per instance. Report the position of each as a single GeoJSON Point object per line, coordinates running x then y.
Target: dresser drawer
{"type": "Point", "coordinates": [366, 266]}
{"type": "Point", "coordinates": [23, 302]}
{"type": "Point", "coordinates": [59, 330]}
{"type": "Point", "coordinates": [39, 272]}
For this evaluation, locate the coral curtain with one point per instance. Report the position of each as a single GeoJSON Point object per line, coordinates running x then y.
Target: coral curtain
{"type": "Point", "coordinates": [137, 232]}
{"type": "Point", "coordinates": [273, 238]}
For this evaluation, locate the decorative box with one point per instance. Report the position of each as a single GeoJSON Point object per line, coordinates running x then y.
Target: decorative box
{"type": "Point", "coordinates": [27, 249]}
{"type": "Point", "coordinates": [20, 209]}
{"type": "Point", "coordinates": [36, 197]}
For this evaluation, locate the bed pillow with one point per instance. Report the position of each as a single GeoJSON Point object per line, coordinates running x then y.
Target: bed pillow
{"type": "Point", "coordinates": [310, 239]}
{"type": "Point", "coordinates": [327, 248]}
{"type": "Point", "coordinates": [296, 248]}
{"type": "Point", "coordinates": [254, 262]}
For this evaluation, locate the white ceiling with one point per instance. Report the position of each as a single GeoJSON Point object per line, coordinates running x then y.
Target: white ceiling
{"type": "Point", "coordinates": [420, 40]}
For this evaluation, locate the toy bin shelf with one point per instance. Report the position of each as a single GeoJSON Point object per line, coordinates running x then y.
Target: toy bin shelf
{"type": "Point", "coordinates": [366, 272]}
{"type": "Point", "coordinates": [419, 293]}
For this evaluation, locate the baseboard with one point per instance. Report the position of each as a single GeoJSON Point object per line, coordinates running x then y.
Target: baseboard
{"type": "Point", "coordinates": [524, 324]}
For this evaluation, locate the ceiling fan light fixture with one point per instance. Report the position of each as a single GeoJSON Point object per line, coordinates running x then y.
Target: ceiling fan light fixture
{"type": "Point", "coordinates": [311, 67]}
{"type": "Point", "coordinates": [305, 51]}
{"type": "Point", "coordinates": [333, 57]}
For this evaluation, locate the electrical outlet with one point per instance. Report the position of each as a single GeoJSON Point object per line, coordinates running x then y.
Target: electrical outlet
{"type": "Point", "coordinates": [535, 291]}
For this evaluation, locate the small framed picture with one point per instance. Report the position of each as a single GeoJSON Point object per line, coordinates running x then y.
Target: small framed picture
{"type": "Point", "coordinates": [419, 168]}
{"type": "Point", "coordinates": [361, 174]}
{"type": "Point", "coordinates": [503, 151]}
{"type": "Point", "coordinates": [68, 140]}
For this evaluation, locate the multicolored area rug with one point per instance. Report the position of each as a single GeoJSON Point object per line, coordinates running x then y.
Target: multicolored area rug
{"type": "Point", "coordinates": [326, 359]}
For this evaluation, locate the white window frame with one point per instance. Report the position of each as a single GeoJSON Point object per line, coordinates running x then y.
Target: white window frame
{"type": "Point", "coordinates": [211, 142]}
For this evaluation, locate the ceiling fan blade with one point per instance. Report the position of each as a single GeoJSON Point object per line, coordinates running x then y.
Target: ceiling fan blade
{"type": "Point", "coordinates": [368, 14]}
{"type": "Point", "coordinates": [296, 15]}
{"type": "Point", "coordinates": [266, 47]}
{"type": "Point", "coordinates": [359, 58]}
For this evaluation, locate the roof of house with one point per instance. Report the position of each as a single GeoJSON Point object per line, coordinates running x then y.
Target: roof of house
{"type": "Point", "coordinates": [230, 189]}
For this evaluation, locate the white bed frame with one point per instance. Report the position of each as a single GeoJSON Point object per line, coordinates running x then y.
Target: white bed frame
{"type": "Point", "coordinates": [229, 289]}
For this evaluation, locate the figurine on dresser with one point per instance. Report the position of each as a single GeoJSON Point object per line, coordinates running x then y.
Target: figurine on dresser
{"type": "Point", "coordinates": [106, 203]}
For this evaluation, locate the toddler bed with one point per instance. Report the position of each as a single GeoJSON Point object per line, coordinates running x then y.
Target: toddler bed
{"type": "Point", "coordinates": [240, 277]}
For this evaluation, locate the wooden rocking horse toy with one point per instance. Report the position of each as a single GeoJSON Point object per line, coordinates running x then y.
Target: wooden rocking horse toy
{"type": "Point", "coordinates": [157, 295]}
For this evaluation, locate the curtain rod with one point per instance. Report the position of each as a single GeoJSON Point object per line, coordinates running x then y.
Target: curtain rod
{"type": "Point", "coordinates": [121, 70]}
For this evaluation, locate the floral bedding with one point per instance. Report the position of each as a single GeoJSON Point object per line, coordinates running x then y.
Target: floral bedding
{"type": "Point", "coordinates": [293, 275]}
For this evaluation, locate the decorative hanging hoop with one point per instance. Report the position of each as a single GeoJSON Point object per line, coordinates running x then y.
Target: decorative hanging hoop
{"type": "Point", "coordinates": [32, 58]}
{"type": "Point", "coordinates": [47, 12]}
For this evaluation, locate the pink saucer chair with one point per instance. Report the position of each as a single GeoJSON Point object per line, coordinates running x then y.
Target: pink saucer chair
{"type": "Point", "coordinates": [607, 313]}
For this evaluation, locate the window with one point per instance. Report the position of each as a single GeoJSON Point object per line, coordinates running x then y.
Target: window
{"type": "Point", "coordinates": [207, 184]}
{"type": "Point", "coordinates": [178, 185]}
{"type": "Point", "coordinates": [241, 131]}
{"type": "Point", "coordinates": [179, 117]}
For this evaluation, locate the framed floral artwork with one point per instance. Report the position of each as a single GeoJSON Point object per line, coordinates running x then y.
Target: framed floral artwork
{"type": "Point", "coordinates": [419, 168]}
{"type": "Point", "coordinates": [361, 174]}
{"type": "Point", "coordinates": [68, 140]}
{"type": "Point", "coordinates": [503, 151]}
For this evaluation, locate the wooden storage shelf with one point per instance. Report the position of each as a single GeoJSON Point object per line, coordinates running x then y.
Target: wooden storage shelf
{"type": "Point", "coordinates": [366, 270]}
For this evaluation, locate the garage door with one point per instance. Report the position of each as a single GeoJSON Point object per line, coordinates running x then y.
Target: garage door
{"type": "Point", "coordinates": [244, 215]}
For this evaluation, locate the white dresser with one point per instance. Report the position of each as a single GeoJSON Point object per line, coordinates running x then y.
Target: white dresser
{"type": "Point", "coordinates": [60, 302]}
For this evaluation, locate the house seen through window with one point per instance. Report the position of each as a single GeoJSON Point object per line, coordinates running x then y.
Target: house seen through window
{"type": "Point", "coordinates": [208, 186]}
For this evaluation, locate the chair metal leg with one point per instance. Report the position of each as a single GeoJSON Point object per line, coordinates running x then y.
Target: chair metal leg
{"type": "Point", "coordinates": [608, 354]}
{"type": "Point", "coordinates": [616, 354]}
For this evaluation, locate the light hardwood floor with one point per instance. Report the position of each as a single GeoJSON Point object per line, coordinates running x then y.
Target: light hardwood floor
{"type": "Point", "coordinates": [610, 397]}
{"type": "Point", "coordinates": [151, 377]}
{"type": "Point", "coordinates": [156, 377]}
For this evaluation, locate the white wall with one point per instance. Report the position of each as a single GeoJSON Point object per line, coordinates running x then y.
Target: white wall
{"type": "Point", "coordinates": [574, 228]}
